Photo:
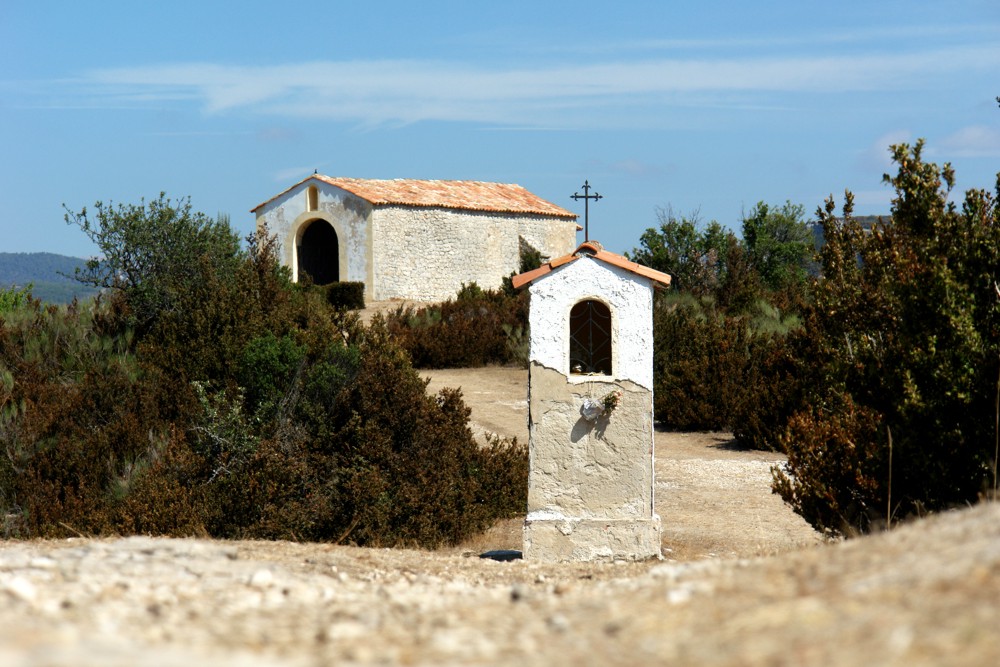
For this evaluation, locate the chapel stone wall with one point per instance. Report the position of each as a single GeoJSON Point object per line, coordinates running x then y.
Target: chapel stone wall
{"type": "Point", "coordinates": [426, 254]}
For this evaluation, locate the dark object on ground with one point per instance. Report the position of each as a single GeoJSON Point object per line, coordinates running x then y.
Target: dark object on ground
{"type": "Point", "coordinates": [502, 554]}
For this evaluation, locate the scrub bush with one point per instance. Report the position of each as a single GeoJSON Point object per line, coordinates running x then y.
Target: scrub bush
{"type": "Point", "coordinates": [372, 459]}
{"type": "Point", "coordinates": [900, 358]}
{"type": "Point", "coordinates": [71, 425]}
{"type": "Point", "coordinates": [476, 328]}
{"type": "Point", "coordinates": [713, 371]}
{"type": "Point", "coordinates": [699, 363]}
{"type": "Point", "coordinates": [346, 295]}
{"type": "Point", "coordinates": [238, 406]}
{"type": "Point", "coordinates": [772, 393]}
{"type": "Point", "coordinates": [13, 298]}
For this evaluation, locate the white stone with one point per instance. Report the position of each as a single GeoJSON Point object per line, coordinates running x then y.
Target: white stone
{"type": "Point", "coordinates": [43, 563]}
{"type": "Point", "coordinates": [19, 588]}
{"type": "Point", "coordinates": [262, 578]}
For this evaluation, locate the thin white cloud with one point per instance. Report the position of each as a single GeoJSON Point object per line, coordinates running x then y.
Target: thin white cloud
{"type": "Point", "coordinates": [972, 141]}
{"type": "Point", "coordinates": [198, 133]}
{"type": "Point", "coordinates": [878, 155]}
{"type": "Point", "coordinates": [636, 168]}
{"type": "Point", "coordinates": [277, 134]}
{"type": "Point", "coordinates": [401, 92]}
{"type": "Point", "coordinates": [877, 38]}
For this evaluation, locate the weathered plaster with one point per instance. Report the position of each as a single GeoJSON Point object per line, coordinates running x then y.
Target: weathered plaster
{"type": "Point", "coordinates": [572, 539]}
{"type": "Point", "coordinates": [630, 298]}
{"type": "Point", "coordinates": [584, 469]}
{"type": "Point", "coordinates": [590, 485]}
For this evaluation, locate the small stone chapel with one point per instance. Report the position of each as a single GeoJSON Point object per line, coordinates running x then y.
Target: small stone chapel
{"type": "Point", "coordinates": [412, 239]}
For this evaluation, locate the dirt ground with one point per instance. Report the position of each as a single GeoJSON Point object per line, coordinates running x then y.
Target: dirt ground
{"type": "Point", "coordinates": [714, 498]}
{"type": "Point", "coordinates": [743, 582]}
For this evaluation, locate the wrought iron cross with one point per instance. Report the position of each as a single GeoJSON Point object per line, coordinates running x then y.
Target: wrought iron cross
{"type": "Point", "coordinates": [586, 197]}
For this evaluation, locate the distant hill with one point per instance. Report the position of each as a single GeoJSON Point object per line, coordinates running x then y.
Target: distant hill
{"type": "Point", "coordinates": [50, 275]}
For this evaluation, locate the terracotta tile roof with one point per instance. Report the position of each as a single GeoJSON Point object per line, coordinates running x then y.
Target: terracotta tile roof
{"type": "Point", "coordinates": [597, 251]}
{"type": "Point", "coordinates": [467, 195]}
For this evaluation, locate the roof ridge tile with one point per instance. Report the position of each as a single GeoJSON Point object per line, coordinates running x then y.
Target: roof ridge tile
{"type": "Point", "coordinates": [594, 250]}
{"type": "Point", "coordinates": [460, 194]}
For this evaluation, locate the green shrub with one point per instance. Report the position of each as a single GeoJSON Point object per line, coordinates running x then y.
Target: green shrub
{"type": "Point", "coordinates": [150, 252]}
{"type": "Point", "coordinates": [241, 407]}
{"type": "Point", "coordinates": [476, 328]}
{"type": "Point", "coordinates": [772, 393]}
{"type": "Point", "coordinates": [700, 362]}
{"type": "Point", "coordinates": [346, 295]}
{"type": "Point", "coordinates": [713, 371]}
{"type": "Point", "coordinates": [221, 434]}
{"type": "Point", "coordinates": [13, 298]}
{"type": "Point", "coordinates": [375, 460]}
{"type": "Point", "coordinates": [266, 370]}
{"type": "Point", "coordinates": [903, 338]}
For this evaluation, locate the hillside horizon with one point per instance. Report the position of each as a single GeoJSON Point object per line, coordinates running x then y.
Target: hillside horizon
{"type": "Point", "coordinates": [50, 275]}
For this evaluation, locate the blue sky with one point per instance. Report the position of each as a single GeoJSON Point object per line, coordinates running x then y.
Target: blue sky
{"type": "Point", "coordinates": [708, 106]}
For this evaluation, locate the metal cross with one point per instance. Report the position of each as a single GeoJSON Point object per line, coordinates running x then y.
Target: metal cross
{"type": "Point", "coordinates": [586, 197]}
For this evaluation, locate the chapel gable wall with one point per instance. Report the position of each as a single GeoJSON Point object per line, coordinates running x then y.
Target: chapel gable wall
{"type": "Point", "coordinates": [287, 215]}
{"type": "Point", "coordinates": [426, 254]}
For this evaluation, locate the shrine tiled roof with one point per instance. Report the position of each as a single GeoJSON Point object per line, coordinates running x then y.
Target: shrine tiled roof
{"type": "Point", "coordinates": [465, 195]}
{"type": "Point", "coordinates": [597, 251]}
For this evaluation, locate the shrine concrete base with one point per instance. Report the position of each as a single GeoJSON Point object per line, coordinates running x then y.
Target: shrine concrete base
{"type": "Point", "coordinates": [565, 539]}
{"type": "Point", "coordinates": [590, 481]}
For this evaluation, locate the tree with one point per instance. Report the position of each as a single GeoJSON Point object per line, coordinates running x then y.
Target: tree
{"type": "Point", "coordinates": [13, 298]}
{"type": "Point", "coordinates": [691, 252]}
{"type": "Point", "coordinates": [900, 357]}
{"type": "Point", "coordinates": [779, 244]}
{"type": "Point", "coordinates": [150, 252]}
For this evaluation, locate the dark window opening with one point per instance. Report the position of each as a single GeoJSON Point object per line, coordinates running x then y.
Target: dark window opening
{"type": "Point", "coordinates": [319, 253]}
{"type": "Point", "coordinates": [590, 338]}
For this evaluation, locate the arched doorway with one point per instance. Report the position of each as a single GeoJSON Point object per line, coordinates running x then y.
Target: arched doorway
{"type": "Point", "coordinates": [319, 253]}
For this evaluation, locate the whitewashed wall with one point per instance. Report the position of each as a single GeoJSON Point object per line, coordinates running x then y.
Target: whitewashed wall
{"type": "Point", "coordinates": [286, 216]}
{"type": "Point", "coordinates": [630, 298]}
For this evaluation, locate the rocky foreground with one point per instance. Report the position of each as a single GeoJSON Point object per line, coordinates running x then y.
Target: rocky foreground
{"type": "Point", "coordinates": [925, 594]}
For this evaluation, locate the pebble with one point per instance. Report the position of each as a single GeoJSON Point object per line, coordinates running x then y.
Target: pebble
{"type": "Point", "coordinates": [262, 579]}
{"type": "Point", "coordinates": [19, 588]}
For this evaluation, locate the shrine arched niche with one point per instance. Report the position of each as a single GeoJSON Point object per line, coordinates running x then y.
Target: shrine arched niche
{"type": "Point", "coordinates": [317, 251]}
{"type": "Point", "coordinates": [590, 338]}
